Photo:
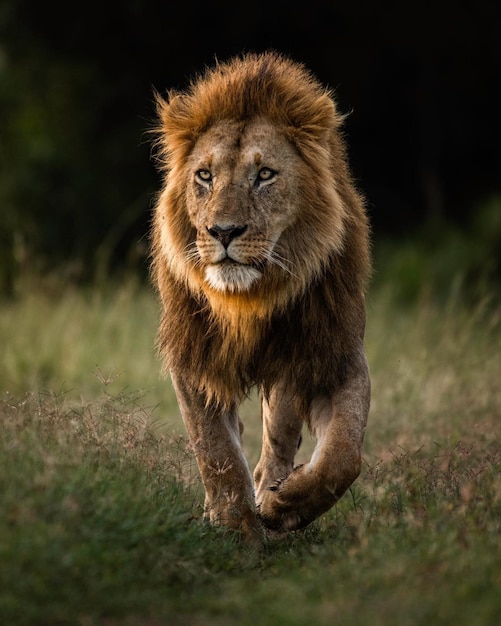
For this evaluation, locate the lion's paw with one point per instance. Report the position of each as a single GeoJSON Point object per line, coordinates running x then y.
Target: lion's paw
{"type": "Point", "coordinates": [279, 508]}
{"type": "Point", "coordinates": [294, 502]}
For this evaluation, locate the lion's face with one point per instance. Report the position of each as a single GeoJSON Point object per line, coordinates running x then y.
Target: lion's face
{"type": "Point", "coordinates": [241, 194]}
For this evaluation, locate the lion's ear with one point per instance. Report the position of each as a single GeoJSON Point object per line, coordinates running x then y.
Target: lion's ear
{"type": "Point", "coordinates": [324, 117]}
{"type": "Point", "coordinates": [169, 109]}
{"type": "Point", "coordinates": [175, 131]}
{"type": "Point", "coordinates": [315, 124]}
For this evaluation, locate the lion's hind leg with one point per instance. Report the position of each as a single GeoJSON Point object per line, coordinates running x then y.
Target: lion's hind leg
{"type": "Point", "coordinates": [338, 422]}
{"type": "Point", "coordinates": [281, 438]}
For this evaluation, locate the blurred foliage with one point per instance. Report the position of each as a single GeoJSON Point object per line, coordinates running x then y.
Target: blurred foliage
{"type": "Point", "coordinates": [70, 192]}
{"type": "Point", "coordinates": [443, 260]}
{"type": "Point", "coordinates": [76, 175]}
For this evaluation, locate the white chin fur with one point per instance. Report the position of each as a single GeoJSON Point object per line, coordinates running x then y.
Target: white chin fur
{"type": "Point", "coordinates": [231, 277]}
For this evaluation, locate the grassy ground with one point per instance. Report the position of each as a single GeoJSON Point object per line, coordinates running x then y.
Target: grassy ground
{"type": "Point", "coordinates": [100, 501]}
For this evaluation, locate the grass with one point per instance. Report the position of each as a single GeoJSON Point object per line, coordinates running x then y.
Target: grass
{"type": "Point", "coordinates": [100, 502]}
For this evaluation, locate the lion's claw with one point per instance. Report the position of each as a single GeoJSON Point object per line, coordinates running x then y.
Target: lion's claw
{"type": "Point", "coordinates": [276, 485]}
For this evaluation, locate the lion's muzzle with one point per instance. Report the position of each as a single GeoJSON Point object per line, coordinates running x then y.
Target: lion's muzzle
{"type": "Point", "coordinates": [231, 269]}
{"type": "Point", "coordinates": [226, 234]}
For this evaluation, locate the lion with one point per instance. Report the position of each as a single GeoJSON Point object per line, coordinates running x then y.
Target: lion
{"type": "Point", "coordinates": [261, 257]}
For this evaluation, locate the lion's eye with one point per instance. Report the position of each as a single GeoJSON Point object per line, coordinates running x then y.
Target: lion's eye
{"type": "Point", "coordinates": [204, 176]}
{"type": "Point", "coordinates": [265, 174]}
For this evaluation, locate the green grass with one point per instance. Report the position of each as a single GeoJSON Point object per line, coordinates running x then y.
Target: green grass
{"type": "Point", "coordinates": [100, 501]}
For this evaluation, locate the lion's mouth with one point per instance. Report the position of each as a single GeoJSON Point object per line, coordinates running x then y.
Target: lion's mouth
{"type": "Point", "coordinates": [232, 276]}
{"type": "Point", "coordinates": [257, 265]}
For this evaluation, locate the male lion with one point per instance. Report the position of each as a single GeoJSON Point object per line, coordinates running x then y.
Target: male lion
{"type": "Point", "coordinates": [260, 254]}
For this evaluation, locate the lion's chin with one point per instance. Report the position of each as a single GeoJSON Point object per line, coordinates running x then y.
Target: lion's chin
{"type": "Point", "coordinates": [231, 276]}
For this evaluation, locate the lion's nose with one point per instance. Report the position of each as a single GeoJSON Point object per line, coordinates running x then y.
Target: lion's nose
{"type": "Point", "coordinates": [226, 234]}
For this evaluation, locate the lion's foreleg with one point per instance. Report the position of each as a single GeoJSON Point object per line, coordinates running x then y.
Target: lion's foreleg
{"type": "Point", "coordinates": [215, 438]}
{"type": "Point", "coordinates": [338, 422]}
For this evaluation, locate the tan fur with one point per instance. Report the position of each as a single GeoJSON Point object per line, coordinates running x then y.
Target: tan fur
{"type": "Point", "coordinates": [260, 254]}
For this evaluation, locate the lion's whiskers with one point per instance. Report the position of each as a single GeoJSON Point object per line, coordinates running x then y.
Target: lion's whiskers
{"type": "Point", "coordinates": [192, 254]}
{"type": "Point", "coordinates": [273, 257]}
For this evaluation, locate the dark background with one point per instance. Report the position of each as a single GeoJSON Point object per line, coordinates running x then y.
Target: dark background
{"type": "Point", "coordinates": [77, 180]}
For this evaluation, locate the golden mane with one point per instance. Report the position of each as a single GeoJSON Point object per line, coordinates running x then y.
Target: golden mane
{"type": "Point", "coordinates": [268, 85]}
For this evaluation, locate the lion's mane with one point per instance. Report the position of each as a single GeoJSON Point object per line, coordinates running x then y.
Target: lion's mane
{"type": "Point", "coordinates": [306, 325]}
